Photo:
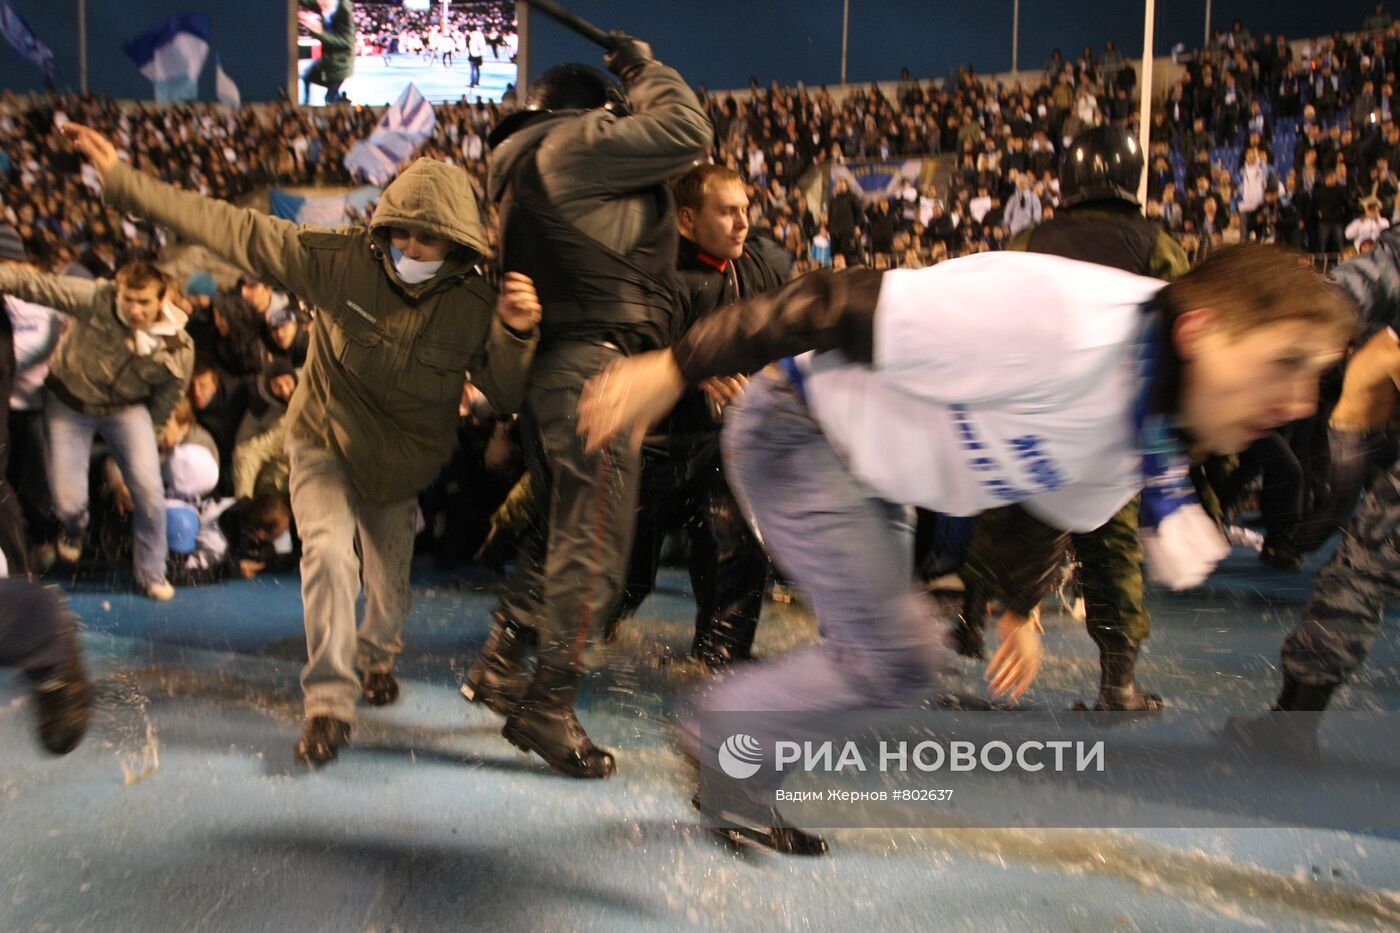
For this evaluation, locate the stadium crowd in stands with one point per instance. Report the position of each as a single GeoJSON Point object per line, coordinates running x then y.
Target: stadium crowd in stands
{"type": "Point", "coordinates": [1256, 138]}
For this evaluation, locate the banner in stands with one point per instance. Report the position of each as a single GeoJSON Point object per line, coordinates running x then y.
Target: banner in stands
{"type": "Point", "coordinates": [882, 179]}
{"type": "Point", "coordinates": [323, 210]}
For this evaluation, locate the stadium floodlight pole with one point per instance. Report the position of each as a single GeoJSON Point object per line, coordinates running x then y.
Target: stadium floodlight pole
{"type": "Point", "coordinates": [82, 46]}
{"type": "Point", "coordinates": [1149, 16]}
{"type": "Point", "coordinates": [845, 36]}
{"type": "Point", "coordinates": [1015, 35]}
{"type": "Point", "coordinates": [572, 21]}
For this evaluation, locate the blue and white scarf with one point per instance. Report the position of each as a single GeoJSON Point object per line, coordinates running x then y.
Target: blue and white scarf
{"type": "Point", "coordinates": [1181, 544]}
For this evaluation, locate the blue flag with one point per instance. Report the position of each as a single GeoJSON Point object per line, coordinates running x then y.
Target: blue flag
{"type": "Point", "coordinates": [23, 40]}
{"type": "Point", "coordinates": [172, 55]}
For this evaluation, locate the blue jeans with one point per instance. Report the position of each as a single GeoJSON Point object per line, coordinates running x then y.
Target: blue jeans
{"type": "Point", "coordinates": [131, 437]}
{"type": "Point", "coordinates": [850, 555]}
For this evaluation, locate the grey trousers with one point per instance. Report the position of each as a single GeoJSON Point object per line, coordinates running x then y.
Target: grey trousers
{"type": "Point", "coordinates": [330, 518]}
{"type": "Point", "coordinates": [568, 579]}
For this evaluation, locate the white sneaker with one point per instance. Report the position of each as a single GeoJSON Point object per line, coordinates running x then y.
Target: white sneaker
{"type": "Point", "coordinates": [161, 591]}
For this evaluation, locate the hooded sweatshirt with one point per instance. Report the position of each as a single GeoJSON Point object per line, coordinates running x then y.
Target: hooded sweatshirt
{"type": "Point", "coordinates": [387, 360]}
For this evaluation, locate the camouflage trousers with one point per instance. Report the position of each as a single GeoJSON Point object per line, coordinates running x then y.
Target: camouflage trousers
{"type": "Point", "coordinates": [1110, 572]}
{"type": "Point", "coordinates": [1352, 591]}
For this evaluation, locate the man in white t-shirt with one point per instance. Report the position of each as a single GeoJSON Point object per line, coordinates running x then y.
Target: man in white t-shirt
{"type": "Point", "coordinates": [996, 378]}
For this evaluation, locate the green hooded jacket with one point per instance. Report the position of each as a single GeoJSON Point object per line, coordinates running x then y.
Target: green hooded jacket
{"type": "Point", "coordinates": [386, 364]}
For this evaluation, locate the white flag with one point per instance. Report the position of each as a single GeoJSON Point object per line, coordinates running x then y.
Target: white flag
{"type": "Point", "coordinates": [224, 87]}
{"type": "Point", "coordinates": [401, 131]}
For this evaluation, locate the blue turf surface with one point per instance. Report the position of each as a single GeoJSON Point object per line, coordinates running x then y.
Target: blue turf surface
{"type": "Point", "coordinates": [431, 821]}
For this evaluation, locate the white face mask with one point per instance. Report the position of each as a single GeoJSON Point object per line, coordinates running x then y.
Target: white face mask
{"type": "Point", "coordinates": [414, 271]}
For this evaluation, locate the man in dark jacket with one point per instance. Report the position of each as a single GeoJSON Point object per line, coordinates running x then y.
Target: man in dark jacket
{"type": "Point", "coordinates": [333, 22]}
{"type": "Point", "coordinates": [683, 481]}
{"type": "Point", "coordinates": [579, 175]}
{"type": "Point", "coordinates": [843, 218]}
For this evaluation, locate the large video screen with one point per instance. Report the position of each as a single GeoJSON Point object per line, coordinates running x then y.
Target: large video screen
{"type": "Point", "coordinates": [368, 51]}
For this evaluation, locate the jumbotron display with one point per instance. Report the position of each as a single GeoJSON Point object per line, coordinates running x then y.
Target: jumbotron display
{"type": "Point", "coordinates": [368, 51]}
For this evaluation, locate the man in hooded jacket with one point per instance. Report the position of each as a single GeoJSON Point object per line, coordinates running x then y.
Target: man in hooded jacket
{"type": "Point", "coordinates": [405, 314]}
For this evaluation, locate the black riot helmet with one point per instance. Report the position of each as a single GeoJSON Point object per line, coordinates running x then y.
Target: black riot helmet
{"type": "Point", "coordinates": [1102, 164]}
{"type": "Point", "coordinates": [564, 87]}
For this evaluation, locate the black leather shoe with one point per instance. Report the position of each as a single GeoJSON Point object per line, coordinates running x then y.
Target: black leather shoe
{"type": "Point", "coordinates": [768, 832]}
{"type": "Point", "coordinates": [499, 678]}
{"type": "Point", "coordinates": [544, 723]}
{"type": "Point", "coordinates": [322, 740]}
{"type": "Point", "coordinates": [379, 689]}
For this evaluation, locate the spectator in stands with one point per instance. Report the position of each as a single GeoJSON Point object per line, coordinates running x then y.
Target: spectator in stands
{"type": "Point", "coordinates": [286, 337]}
{"type": "Point", "coordinates": [1378, 20]}
{"type": "Point", "coordinates": [1023, 210]}
{"type": "Point", "coordinates": [1331, 209]}
{"type": "Point", "coordinates": [1255, 178]}
{"type": "Point", "coordinates": [881, 222]}
{"type": "Point", "coordinates": [1367, 227]}
{"type": "Point", "coordinates": [845, 218]}
{"type": "Point", "coordinates": [218, 404]}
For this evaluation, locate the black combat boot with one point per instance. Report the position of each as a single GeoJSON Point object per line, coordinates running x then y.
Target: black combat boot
{"type": "Point", "coordinates": [63, 705]}
{"type": "Point", "coordinates": [499, 678]}
{"type": "Point", "coordinates": [1289, 729]}
{"type": "Point", "coordinates": [322, 740]}
{"type": "Point", "coordinates": [63, 695]}
{"type": "Point", "coordinates": [1118, 689]}
{"type": "Point", "coordinates": [544, 723]}
{"type": "Point", "coordinates": [378, 688]}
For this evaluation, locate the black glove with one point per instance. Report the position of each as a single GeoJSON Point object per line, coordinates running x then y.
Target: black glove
{"type": "Point", "coordinates": [628, 53]}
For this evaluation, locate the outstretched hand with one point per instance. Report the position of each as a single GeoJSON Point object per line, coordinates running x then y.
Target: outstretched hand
{"type": "Point", "coordinates": [1017, 662]}
{"type": "Point", "coordinates": [1369, 386]}
{"type": "Point", "coordinates": [628, 398]}
{"type": "Point", "coordinates": [98, 148]}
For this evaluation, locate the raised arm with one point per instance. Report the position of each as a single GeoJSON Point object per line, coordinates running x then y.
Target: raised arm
{"type": "Point", "coordinates": [266, 246]}
{"type": "Point", "coordinates": [665, 132]}
{"type": "Point", "coordinates": [79, 297]}
{"type": "Point", "coordinates": [820, 311]}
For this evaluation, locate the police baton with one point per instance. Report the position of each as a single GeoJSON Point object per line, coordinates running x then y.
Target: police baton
{"type": "Point", "coordinates": [572, 21]}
